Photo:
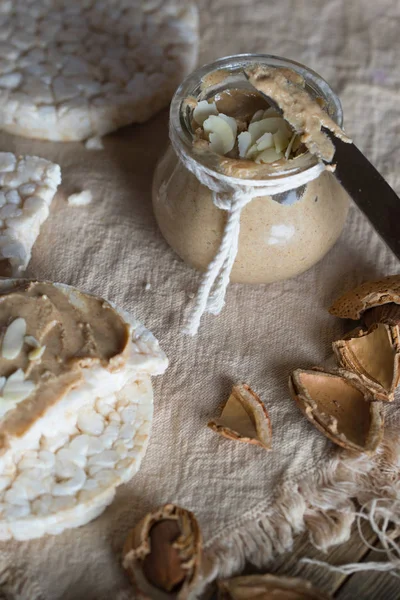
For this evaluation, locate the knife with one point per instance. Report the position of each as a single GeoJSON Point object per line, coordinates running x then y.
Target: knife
{"type": "Point", "coordinates": [369, 190]}
{"type": "Point", "coordinates": [364, 184]}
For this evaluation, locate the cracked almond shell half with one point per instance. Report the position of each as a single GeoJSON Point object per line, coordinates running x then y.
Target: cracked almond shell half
{"type": "Point", "coordinates": [268, 587]}
{"type": "Point", "coordinates": [163, 554]}
{"type": "Point", "coordinates": [244, 418]}
{"type": "Point", "coordinates": [340, 406]}
{"type": "Point", "coordinates": [374, 355]}
{"type": "Point", "coordinates": [374, 301]}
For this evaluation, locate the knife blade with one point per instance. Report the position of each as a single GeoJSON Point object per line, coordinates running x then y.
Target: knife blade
{"type": "Point", "coordinates": [369, 190]}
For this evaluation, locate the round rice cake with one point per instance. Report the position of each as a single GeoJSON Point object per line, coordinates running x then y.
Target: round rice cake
{"type": "Point", "coordinates": [77, 69]}
{"type": "Point", "coordinates": [62, 468]}
{"type": "Point", "coordinates": [70, 485]}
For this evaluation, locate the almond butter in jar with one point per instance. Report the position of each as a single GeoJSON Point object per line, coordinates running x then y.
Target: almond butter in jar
{"type": "Point", "coordinates": [281, 235]}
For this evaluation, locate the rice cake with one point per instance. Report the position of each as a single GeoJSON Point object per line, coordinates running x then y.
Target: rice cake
{"type": "Point", "coordinates": [84, 427]}
{"type": "Point", "coordinates": [73, 70]}
{"type": "Point", "coordinates": [27, 188]}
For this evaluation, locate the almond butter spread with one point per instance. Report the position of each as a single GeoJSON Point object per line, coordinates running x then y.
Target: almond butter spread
{"type": "Point", "coordinates": [240, 104]}
{"type": "Point", "coordinates": [305, 115]}
{"type": "Point", "coordinates": [246, 133]}
{"type": "Point", "coordinates": [73, 331]}
{"type": "Point", "coordinates": [281, 235]}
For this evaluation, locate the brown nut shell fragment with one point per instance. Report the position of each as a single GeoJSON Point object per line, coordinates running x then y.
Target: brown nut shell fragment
{"type": "Point", "coordinates": [374, 355]}
{"type": "Point", "coordinates": [340, 406]}
{"type": "Point", "coordinates": [354, 303]}
{"type": "Point", "coordinates": [386, 313]}
{"type": "Point", "coordinates": [163, 554]}
{"type": "Point", "coordinates": [268, 587]}
{"type": "Point", "coordinates": [244, 418]}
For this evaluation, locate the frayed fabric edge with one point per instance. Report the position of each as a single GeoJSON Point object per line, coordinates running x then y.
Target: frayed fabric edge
{"type": "Point", "coordinates": [17, 584]}
{"type": "Point", "coordinates": [322, 504]}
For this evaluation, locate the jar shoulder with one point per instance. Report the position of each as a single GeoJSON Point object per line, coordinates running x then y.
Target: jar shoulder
{"type": "Point", "coordinates": [277, 240]}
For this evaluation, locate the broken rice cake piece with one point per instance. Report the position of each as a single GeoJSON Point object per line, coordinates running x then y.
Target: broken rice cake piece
{"type": "Point", "coordinates": [27, 187]}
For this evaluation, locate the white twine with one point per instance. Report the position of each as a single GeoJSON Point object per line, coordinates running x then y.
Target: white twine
{"type": "Point", "coordinates": [381, 513]}
{"type": "Point", "coordinates": [230, 194]}
{"type": "Point", "coordinates": [352, 568]}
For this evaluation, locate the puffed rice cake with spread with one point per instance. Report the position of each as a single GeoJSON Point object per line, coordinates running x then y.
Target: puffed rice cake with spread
{"type": "Point", "coordinates": [76, 405]}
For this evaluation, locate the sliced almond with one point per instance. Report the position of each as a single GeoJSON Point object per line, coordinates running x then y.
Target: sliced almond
{"type": "Point", "coordinates": [257, 116]}
{"type": "Point", "coordinates": [163, 554]}
{"type": "Point", "coordinates": [268, 587]}
{"type": "Point", "coordinates": [18, 375]}
{"type": "Point", "coordinates": [203, 110]}
{"type": "Point", "coordinates": [269, 155]}
{"type": "Point", "coordinates": [244, 418]}
{"type": "Point", "coordinates": [220, 134]}
{"type": "Point", "coordinates": [265, 141]}
{"type": "Point", "coordinates": [13, 339]}
{"type": "Point", "coordinates": [290, 146]}
{"type": "Point", "coordinates": [340, 406]}
{"type": "Point", "coordinates": [17, 384]}
{"type": "Point", "coordinates": [231, 122]}
{"type": "Point", "coordinates": [271, 112]}
{"type": "Point", "coordinates": [297, 143]}
{"type": "Point", "coordinates": [31, 341]}
{"type": "Point", "coordinates": [36, 353]}
{"type": "Point", "coordinates": [15, 390]}
{"type": "Point", "coordinates": [18, 390]}
{"type": "Point", "coordinates": [281, 140]}
{"type": "Point", "coordinates": [374, 355]}
{"type": "Point", "coordinates": [244, 143]}
{"type": "Point", "coordinates": [252, 152]}
{"type": "Point", "coordinates": [271, 125]}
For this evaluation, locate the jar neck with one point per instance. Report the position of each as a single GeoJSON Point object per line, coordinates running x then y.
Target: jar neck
{"type": "Point", "coordinates": [227, 73]}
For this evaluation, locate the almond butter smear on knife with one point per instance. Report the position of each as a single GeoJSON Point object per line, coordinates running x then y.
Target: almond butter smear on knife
{"type": "Point", "coordinates": [240, 124]}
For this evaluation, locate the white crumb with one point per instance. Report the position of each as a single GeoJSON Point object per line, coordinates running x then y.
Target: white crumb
{"type": "Point", "coordinates": [94, 143]}
{"type": "Point", "coordinates": [190, 295]}
{"type": "Point", "coordinates": [81, 198]}
{"type": "Point", "coordinates": [147, 287]}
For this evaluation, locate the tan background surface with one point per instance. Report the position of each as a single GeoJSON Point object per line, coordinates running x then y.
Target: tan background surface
{"type": "Point", "coordinates": [113, 248]}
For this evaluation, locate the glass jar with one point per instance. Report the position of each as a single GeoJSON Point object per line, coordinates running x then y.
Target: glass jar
{"type": "Point", "coordinates": [281, 235]}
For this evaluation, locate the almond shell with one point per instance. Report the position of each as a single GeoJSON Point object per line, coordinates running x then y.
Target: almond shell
{"type": "Point", "coordinates": [244, 418]}
{"type": "Point", "coordinates": [354, 303]}
{"type": "Point", "coordinates": [374, 355]}
{"type": "Point", "coordinates": [340, 406]}
{"type": "Point", "coordinates": [385, 313]}
{"type": "Point", "coordinates": [187, 548]}
{"type": "Point", "coordinates": [268, 587]}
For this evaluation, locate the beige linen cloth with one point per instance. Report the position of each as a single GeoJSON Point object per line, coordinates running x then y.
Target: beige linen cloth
{"type": "Point", "coordinates": [249, 502]}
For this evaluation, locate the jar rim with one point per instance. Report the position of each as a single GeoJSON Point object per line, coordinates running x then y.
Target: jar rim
{"type": "Point", "coordinates": [192, 86]}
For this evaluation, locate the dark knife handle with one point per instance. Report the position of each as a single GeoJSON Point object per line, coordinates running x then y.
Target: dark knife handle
{"type": "Point", "coordinates": [370, 191]}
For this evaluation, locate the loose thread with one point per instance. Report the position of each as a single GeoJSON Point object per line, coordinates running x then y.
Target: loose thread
{"type": "Point", "coordinates": [380, 513]}
{"type": "Point", "coordinates": [351, 568]}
